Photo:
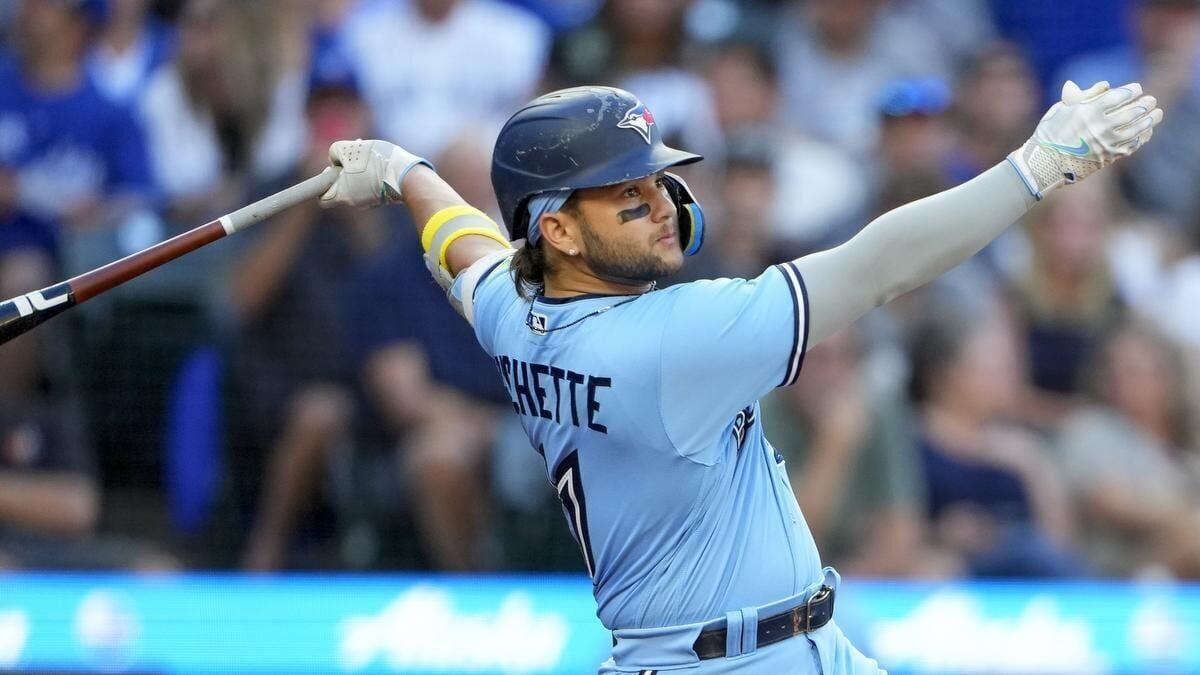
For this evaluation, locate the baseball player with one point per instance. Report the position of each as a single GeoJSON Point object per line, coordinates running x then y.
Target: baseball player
{"type": "Point", "coordinates": [643, 401]}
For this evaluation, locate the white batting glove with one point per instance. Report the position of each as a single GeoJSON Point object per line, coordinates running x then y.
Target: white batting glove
{"type": "Point", "coordinates": [1088, 130]}
{"type": "Point", "coordinates": [371, 173]}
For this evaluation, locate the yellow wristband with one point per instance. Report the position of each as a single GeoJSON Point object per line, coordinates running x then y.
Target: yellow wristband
{"type": "Point", "coordinates": [488, 232]}
{"type": "Point", "coordinates": [429, 232]}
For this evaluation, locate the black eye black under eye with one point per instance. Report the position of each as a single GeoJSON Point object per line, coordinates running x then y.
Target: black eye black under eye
{"type": "Point", "coordinates": [633, 214]}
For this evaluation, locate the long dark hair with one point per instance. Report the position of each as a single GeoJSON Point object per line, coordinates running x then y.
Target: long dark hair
{"type": "Point", "coordinates": [530, 263]}
{"type": "Point", "coordinates": [529, 270]}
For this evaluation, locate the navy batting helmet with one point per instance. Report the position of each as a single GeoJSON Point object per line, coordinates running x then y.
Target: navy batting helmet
{"type": "Point", "coordinates": [586, 137]}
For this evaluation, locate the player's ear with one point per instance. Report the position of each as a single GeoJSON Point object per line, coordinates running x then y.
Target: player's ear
{"type": "Point", "coordinates": [561, 232]}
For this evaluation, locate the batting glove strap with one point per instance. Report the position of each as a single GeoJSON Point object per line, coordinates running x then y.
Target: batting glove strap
{"type": "Point", "coordinates": [1043, 170]}
{"type": "Point", "coordinates": [1084, 132]}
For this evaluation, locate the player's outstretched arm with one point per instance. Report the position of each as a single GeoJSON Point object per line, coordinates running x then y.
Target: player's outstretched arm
{"type": "Point", "coordinates": [454, 234]}
{"type": "Point", "coordinates": [910, 246]}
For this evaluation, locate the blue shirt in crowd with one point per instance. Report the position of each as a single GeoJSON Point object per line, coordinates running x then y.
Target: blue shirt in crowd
{"type": "Point", "coordinates": [63, 148]}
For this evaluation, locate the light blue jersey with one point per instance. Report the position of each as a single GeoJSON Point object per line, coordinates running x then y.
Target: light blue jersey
{"type": "Point", "coordinates": [646, 411]}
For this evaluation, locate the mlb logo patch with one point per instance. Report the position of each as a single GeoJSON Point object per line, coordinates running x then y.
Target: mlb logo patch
{"type": "Point", "coordinates": [640, 120]}
{"type": "Point", "coordinates": [537, 323]}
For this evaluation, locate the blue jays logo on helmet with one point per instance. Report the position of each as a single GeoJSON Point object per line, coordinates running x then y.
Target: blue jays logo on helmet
{"type": "Point", "coordinates": [640, 119]}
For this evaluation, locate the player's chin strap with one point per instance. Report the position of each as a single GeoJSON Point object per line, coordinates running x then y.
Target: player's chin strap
{"type": "Point", "coordinates": [446, 227]}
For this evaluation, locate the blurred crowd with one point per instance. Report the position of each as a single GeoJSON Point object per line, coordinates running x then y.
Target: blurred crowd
{"type": "Point", "coordinates": [301, 396]}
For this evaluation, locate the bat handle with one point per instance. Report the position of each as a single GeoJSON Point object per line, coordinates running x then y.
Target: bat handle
{"type": "Point", "coordinates": [305, 190]}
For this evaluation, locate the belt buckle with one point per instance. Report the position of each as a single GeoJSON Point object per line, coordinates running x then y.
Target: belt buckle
{"type": "Point", "coordinates": [801, 618]}
{"type": "Point", "coordinates": [805, 625]}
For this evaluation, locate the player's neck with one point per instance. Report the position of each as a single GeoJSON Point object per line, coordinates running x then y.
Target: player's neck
{"type": "Point", "coordinates": [570, 283]}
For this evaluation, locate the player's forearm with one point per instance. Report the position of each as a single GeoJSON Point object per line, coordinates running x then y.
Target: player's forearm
{"type": "Point", "coordinates": [453, 234]}
{"type": "Point", "coordinates": [57, 502]}
{"type": "Point", "coordinates": [908, 247]}
{"type": "Point", "coordinates": [426, 193]}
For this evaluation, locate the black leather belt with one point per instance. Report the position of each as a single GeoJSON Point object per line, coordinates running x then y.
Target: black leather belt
{"type": "Point", "coordinates": [804, 618]}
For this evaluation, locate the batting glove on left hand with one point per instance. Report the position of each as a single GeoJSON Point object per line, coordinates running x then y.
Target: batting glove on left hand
{"type": "Point", "coordinates": [1084, 132]}
{"type": "Point", "coordinates": [371, 173]}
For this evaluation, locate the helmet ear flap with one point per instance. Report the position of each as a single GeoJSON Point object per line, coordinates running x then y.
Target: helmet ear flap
{"type": "Point", "coordinates": [691, 216]}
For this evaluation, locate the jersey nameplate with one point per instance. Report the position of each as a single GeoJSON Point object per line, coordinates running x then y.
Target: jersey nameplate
{"type": "Point", "coordinates": [557, 394]}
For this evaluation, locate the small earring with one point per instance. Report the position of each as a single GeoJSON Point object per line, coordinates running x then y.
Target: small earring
{"type": "Point", "coordinates": [572, 252]}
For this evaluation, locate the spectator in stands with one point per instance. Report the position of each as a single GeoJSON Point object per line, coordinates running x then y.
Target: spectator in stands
{"type": "Point", "coordinates": [68, 157]}
{"type": "Point", "coordinates": [852, 464]}
{"type": "Point", "coordinates": [915, 141]}
{"type": "Point", "coordinates": [993, 497]}
{"type": "Point", "coordinates": [49, 492]}
{"type": "Point", "coordinates": [1051, 33]}
{"type": "Point", "coordinates": [129, 46]}
{"type": "Point", "coordinates": [745, 85]}
{"type": "Point", "coordinates": [1162, 30]}
{"type": "Point", "coordinates": [435, 396]}
{"type": "Point", "coordinates": [1156, 268]}
{"type": "Point", "coordinates": [962, 26]}
{"type": "Point", "coordinates": [996, 102]}
{"type": "Point", "coordinates": [222, 117]}
{"type": "Point", "coordinates": [1066, 299]}
{"type": "Point", "coordinates": [746, 242]}
{"type": "Point", "coordinates": [227, 109]}
{"type": "Point", "coordinates": [461, 61]}
{"type": "Point", "coordinates": [1130, 458]}
{"type": "Point", "coordinates": [853, 47]}
{"type": "Point", "coordinates": [291, 374]}
{"type": "Point", "coordinates": [1163, 55]}
{"type": "Point", "coordinates": [819, 192]}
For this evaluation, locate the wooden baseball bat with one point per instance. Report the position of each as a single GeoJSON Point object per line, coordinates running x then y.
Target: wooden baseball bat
{"type": "Point", "coordinates": [23, 312]}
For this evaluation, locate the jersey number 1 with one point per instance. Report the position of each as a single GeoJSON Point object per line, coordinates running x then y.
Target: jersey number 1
{"type": "Point", "coordinates": [569, 486]}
